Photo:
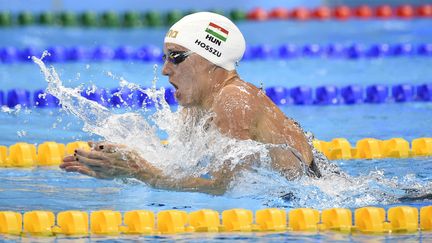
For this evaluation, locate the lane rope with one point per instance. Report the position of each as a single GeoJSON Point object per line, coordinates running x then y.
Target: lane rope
{"type": "Point", "coordinates": [400, 219]}
{"type": "Point", "coordinates": [50, 153]}
{"type": "Point", "coordinates": [153, 54]}
{"type": "Point", "coordinates": [134, 19]}
{"type": "Point", "coordinates": [281, 96]}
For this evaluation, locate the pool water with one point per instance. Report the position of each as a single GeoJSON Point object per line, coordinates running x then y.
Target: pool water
{"type": "Point", "coordinates": [370, 182]}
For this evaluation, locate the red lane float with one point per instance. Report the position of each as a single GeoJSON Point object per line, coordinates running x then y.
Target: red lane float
{"type": "Point", "coordinates": [322, 13]}
{"type": "Point", "coordinates": [342, 12]}
{"type": "Point", "coordinates": [425, 10]}
{"type": "Point", "coordinates": [279, 13]}
{"type": "Point", "coordinates": [301, 13]}
{"type": "Point", "coordinates": [363, 12]}
{"type": "Point", "coordinates": [384, 11]}
{"type": "Point", "coordinates": [405, 11]}
{"type": "Point", "coordinates": [258, 14]}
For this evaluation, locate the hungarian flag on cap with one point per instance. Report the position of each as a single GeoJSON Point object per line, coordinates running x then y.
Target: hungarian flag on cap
{"type": "Point", "coordinates": [217, 31]}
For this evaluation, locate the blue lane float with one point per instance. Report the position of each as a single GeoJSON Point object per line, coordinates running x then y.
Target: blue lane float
{"type": "Point", "coordinates": [327, 95]}
{"type": "Point", "coordinates": [121, 97]}
{"type": "Point", "coordinates": [169, 96]}
{"type": "Point", "coordinates": [56, 54]}
{"type": "Point", "coordinates": [377, 94]}
{"type": "Point", "coordinates": [26, 54]}
{"type": "Point", "coordinates": [43, 100]}
{"type": "Point", "coordinates": [378, 50]}
{"type": "Point", "coordinates": [402, 50]}
{"type": "Point", "coordinates": [102, 53]}
{"type": "Point", "coordinates": [98, 95]}
{"type": "Point", "coordinates": [425, 49]}
{"type": "Point", "coordinates": [312, 50]}
{"type": "Point", "coordinates": [356, 51]}
{"type": "Point", "coordinates": [288, 51]}
{"type": "Point", "coordinates": [2, 103]}
{"type": "Point", "coordinates": [352, 94]}
{"type": "Point", "coordinates": [144, 101]}
{"type": "Point", "coordinates": [300, 95]}
{"type": "Point", "coordinates": [403, 92]}
{"type": "Point", "coordinates": [279, 95]}
{"type": "Point", "coordinates": [8, 54]}
{"type": "Point", "coordinates": [124, 53]}
{"type": "Point", "coordinates": [149, 53]}
{"type": "Point", "coordinates": [76, 53]}
{"type": "Point", "coordinates": [424, 92]}
{"type": "Point", "coordinates": [18, 97]}
{"type": "Point", "coordinates": [335, 50]}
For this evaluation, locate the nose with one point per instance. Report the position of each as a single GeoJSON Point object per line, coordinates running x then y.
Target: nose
{"type": "Point", "coordinates": [166, 69]}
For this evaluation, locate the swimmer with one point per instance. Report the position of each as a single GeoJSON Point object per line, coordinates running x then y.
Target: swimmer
{"type": "Point", "coordinates": [201, 52]}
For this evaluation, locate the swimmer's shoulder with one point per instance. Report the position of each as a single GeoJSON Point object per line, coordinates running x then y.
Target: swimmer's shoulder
{"type": "Point", "coordinates": [240, 94]}
{"type": "Point", "coordinates": [237, 97]}
{"type": "Point", "coordinates": [240, 88]}
{"type": "Point", "coordinates": [236, 112]}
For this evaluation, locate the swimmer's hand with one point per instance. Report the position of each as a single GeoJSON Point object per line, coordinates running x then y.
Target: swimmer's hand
{"type": "Point", "coordinates": [105, 146]}
{"type": "Point", "coordinates": [105, 161]}
{"type": "Point", "coordinates": [109, 161]}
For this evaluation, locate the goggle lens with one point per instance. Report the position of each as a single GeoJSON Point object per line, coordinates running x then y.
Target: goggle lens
{"type": "Point", "coordinates": [176, 57]}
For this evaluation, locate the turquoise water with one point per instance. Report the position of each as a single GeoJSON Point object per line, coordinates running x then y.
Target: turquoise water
{"type": "Point", "coordinates": [371, 182]}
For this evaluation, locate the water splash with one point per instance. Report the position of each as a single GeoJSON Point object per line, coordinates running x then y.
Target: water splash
{"type": "Point", "coordinates": [195, 149]}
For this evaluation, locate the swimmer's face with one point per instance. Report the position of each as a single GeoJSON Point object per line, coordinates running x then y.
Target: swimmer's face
{"type": "Point", "coordinates": [190, 77]}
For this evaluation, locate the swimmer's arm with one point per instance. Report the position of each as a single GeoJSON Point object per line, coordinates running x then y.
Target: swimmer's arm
{"type": "Point", "coordinates": [154, 177]}
{"type": "Point", "coordinates": [191, 184]}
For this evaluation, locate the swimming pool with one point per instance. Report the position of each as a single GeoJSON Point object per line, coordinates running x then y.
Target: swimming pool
{"type": "Point", "coordinates": [373, 182]}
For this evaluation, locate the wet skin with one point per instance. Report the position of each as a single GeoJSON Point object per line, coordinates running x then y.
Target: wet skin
{"type": "Point", "coordinates": [241, 111]}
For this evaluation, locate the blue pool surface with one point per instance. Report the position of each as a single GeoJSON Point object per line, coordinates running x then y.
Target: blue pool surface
{"type": "Point", "coordinates": [49, 188]}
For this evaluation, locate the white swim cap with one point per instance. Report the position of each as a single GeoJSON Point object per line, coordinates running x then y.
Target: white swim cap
{"type": "Point", "coordinates": [210, 35]}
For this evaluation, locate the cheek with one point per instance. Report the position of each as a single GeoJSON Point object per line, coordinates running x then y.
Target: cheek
{"type": "Point", "coordinates": [187, 80]}
{"type": "Point", "coordinates": [191, 88]}
{"type": "Point", "coordinates": [188, 77]}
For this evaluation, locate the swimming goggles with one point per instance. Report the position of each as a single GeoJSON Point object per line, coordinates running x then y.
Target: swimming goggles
{"type": "Point", "coordinates": [176, 57]}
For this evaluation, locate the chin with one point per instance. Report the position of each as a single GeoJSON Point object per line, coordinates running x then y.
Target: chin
{"type": "Point", "coordinates": [185, 103]}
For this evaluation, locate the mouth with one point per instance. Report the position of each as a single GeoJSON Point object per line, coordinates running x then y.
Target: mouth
{"type": "Point", "coordinates": [175, 86]}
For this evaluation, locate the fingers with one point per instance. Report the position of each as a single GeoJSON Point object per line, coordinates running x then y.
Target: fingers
{"type": "Point", "coordinates": [97, 146]}
{"type": "Point", "coordinates": [105, 146]}
{"type": "Point", "coordinates": [77, 166]}
{"type": "Point", "coordinates": [69, 158]}
{"type": "Point", "coordinates": [71, 163]}
{"type": "Point", "coordinates": [109, 148]}
{"type": "Point", "coordinates": [89, 161]}
{"type": "Point", "coordinates": [90, 154]}
{"type": "Point", "coordinates": [81, 169]}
